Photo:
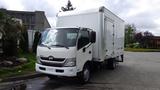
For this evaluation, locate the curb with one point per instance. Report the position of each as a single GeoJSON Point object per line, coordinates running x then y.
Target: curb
{"type": "Point", "coordinates": [22, 77]}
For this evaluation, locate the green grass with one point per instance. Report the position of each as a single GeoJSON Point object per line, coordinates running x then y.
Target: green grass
{"type": "Point", "coordinates": [26, 68]}
{"type": "Point", "coordinates": [141, 50]}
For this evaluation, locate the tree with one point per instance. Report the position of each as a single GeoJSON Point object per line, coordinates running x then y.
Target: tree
{"type": "Point", "coordinates": [129, 34]}
{"type": "Point", "coordinates": [10, 37]}
{"type": "Point", "coordinates": [2, 21]}
{"type": "Point", "coordinates": [11, 32]}
{"type": "Point", "coordinates": [68, 7]}
{"type": "Point", "coordinates": [139, 38]}
{"type": "Point", "coordinates": [146, 39]}
{"type": "Point", "coordinates": [148, 34]}
{"type": "Point", "coordinates": [24, 39]}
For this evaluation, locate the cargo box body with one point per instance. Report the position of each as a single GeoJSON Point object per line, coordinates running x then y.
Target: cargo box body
{"type": "Point", "coordinates": [109, 30]}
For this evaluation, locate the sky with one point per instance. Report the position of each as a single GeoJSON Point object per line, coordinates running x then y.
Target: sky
{"type": "Point", "coordinates": [144, 14]}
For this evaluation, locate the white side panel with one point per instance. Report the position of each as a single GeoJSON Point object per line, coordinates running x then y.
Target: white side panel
{"type": "Point", "coordinates": [118, 34]}
{"type": "Point", "coordinates": [109, 37]}
{"type": "Point", "coordinates": [119, 39]}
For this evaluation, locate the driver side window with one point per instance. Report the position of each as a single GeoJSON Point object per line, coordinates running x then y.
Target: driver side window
{"type": "Point", "coordinates": [83, 39]}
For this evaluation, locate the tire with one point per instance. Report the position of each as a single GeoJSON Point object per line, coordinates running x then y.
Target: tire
{"type": "Point", "coordinates": [111, 64]}
{"type": "Point", "coordinates": [84, 76]}
{"type": "Point", "coordinates": [52, 77]}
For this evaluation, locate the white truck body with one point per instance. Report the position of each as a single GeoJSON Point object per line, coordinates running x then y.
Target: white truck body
{"type": "Point", "coordinates": [109, 30]}
{"type": "Point", "coordinates": [106, 46]}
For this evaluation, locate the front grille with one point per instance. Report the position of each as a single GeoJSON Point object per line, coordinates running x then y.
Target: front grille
{"type": "Point", "coordinates": [52, 64]}
{"type": "Point", "coordinates": [54, 59]}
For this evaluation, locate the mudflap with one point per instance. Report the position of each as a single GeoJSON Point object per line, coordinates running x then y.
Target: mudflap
{"type": "Point", "coordinates": [120, 58]}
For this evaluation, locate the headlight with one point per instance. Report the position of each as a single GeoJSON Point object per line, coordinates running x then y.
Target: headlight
{"type": "Point", "coordinates": [38, 60]}
{"type": "Point", "coordinates": [70, 62]}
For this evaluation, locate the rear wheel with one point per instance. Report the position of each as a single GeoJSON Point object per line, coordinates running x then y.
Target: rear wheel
{"type": "Point", "coordinates": [111, 64]}
{"type": "Point", "coordinates": [84, 76]}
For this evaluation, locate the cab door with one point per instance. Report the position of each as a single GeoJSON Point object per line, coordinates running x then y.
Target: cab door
{"type": "Point", "coordinates": [84, 49]}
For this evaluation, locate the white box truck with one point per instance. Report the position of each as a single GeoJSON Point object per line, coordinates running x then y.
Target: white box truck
{"type": "Point", "coordinates": [82, 40]}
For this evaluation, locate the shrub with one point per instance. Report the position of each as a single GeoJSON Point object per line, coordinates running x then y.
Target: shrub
{"type": "Point", "coordinates": [11, 33]}
{"type": "Point", "coordinates": [10, 47]}
{"type": "Point", "coordinates": [133, 45]}
{"type": "Point", "coordinates": [24, 40]}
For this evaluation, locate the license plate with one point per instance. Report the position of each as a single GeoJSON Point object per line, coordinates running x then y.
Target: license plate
{"type": "Point", "coordinates": [50, 69]}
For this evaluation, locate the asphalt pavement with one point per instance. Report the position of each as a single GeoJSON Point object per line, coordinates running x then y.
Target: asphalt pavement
{"type": "Point", "coordinates": [139, 71]}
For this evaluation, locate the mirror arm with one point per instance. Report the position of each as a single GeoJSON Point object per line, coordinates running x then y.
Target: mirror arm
{"type": "Point", "coordinates": [88, 45]}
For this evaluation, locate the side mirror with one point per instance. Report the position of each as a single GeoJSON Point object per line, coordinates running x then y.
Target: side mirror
{"type": "Point", "coordinates": [93, 36]}
{"type": "Point", "coordinates": [39, 35]}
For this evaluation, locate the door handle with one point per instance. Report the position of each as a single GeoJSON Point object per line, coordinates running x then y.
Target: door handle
{"type": "Point", "coordinates": [89, 52]}
{"type": "Point", "coordinates": [84, 49]}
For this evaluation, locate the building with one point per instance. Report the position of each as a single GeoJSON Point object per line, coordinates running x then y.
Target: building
{"type": "Point", "coordinates": [31, 20]}
{"type": "Point", "coordinates": [155, 42]}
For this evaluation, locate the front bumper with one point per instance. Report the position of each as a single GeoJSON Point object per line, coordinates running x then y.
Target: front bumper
{"type": "Point", "coordinates": [58, 71]}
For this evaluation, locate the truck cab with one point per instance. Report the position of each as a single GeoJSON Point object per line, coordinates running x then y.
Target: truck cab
{"type": "Point", "coordinates": [66, 52]}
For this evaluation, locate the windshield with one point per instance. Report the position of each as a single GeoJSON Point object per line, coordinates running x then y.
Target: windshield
{"type": "Point", "coordinates": [65, 37]}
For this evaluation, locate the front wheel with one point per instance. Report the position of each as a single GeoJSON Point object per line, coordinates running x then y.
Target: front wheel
{"type": "Point", "coordinates": [84, 76]}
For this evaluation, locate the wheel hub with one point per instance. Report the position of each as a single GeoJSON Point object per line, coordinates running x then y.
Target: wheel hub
{"type": "Point", "coordinates": [86, 75]}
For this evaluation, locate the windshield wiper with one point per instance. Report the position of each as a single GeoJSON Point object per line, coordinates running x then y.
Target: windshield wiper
{"type": "Point", "coordinates": [46, 46]}
{"type": "Point", "coordinates": [61, 45]}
